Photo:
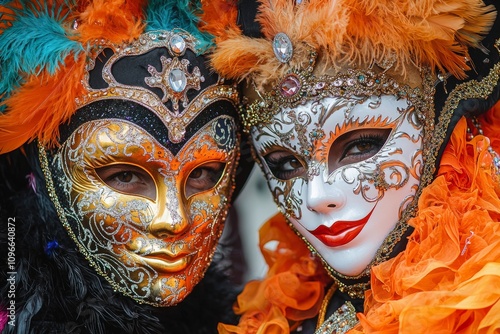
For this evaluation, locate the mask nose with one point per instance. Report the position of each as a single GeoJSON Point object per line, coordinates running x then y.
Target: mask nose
{"type": "Point", "coordinates": [168, 223]}
{"type": "Point", "coordinates": [323, 197]}
{"type": "Point", "coordinates": [171, 219]}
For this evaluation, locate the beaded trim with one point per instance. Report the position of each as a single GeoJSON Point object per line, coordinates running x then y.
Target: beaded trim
{"type": "Point", "coordinates": [300, 86]}
{"type": "Point", "coordinates": [324, 304]}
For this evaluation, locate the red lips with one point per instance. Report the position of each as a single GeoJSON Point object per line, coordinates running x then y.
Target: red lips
{"type": "Point", "coordinates": [341, 232]}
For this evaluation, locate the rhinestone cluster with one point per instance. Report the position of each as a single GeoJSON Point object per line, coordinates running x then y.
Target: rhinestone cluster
{"type": "Point", "coordinates": [174, 80]}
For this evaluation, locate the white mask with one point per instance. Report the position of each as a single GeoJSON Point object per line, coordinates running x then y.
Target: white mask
{"type": "Point", "coordinates": [343, 171]}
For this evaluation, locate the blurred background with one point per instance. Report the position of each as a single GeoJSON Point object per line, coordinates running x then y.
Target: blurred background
{"type": "Point", "coordinates": [253, 207]}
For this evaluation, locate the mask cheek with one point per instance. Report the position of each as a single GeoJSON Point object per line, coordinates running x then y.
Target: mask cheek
{"type": "Point", "coordinates": [207, 211]}
{"type": "Point", "coordinates": [287, 195]}
{"type": "Point", "coordinates": [111, 220]}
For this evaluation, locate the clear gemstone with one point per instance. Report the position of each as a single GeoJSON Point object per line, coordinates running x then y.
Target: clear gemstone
{"type": "Point", "coordinates": [282, 47]}
{"type": "Point", "coordinates": [290, 86]}
{"type": "Point", "coordinates": [177, 44]}
{"type": "Point", "coordinates": [320, 85]}
{"type": "Point", "coordinates": [177, 80]}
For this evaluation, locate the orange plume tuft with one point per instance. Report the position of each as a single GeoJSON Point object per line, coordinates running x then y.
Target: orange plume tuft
{"type": "Point", "coordinates": [219, 19]}
{"type": "Point", "coordinates": [117, 20]}
{"type": "Point", "coordinates": [31, 117]}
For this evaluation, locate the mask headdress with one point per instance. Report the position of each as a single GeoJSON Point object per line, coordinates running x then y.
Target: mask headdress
{"type": "Point", "coordinates": [444, 58]}
{"type": "Point", "coordinates": [48, 46]}
{"type": "Point", "coordinates": [43, 61]}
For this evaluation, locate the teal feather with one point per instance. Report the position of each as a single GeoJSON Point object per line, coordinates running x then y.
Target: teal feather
{"type": "Point", "coordinates": [35, 41]}
{"type": "Point", "coordinates": [170, 14]}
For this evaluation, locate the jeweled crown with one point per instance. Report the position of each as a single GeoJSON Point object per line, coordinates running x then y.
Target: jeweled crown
{"type": "Point", "coordinates": [300, 86]}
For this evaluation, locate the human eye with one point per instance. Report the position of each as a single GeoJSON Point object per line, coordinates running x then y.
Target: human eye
{"type": "Point", "coordinates": [204, 177]}
{"type": "Point", "coordinates": [284, 165]}
{"type": "Point", "coordinates": [364, 147]}
{"type": "Point", "coordinates": [128, 179]}
{"type": "Point", "coordinates": [356, 146]}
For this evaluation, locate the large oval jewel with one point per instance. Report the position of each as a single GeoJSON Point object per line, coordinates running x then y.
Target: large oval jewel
{"type": "Point", "coordinates": [177, 80]}
{"type": "Point", "coordinates": [290, 86]}
{"type": "Point", "coordinates": [282, 47]}
{"type": "Point", "coordinates": [177, 44]}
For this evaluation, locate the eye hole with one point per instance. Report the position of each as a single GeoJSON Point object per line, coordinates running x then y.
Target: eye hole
{"type": "Point", "coordinates": [356, 146]}
{"type": "Point", "coordinates": [128, 179]}
{"type": "Point", "coordinates": [204, 177]}
{"type": "Point", "coordinates": [284, 165]}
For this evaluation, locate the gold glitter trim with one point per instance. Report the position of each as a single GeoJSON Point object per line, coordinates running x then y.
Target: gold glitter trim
{"type": "Point", "coordinates": [299, 86]}
{"type": "Point", "coordinates": [340, 322]}
{"type": "Point", "coordinates": [324, 305]}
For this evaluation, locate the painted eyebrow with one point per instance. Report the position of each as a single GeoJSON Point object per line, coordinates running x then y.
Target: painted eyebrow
{"type": "Point", "coordinates": [349, 125]}
{"type": "Point", "coordinates": [373, 122]}
{"type": "Point", "coordinates": [270, 146]}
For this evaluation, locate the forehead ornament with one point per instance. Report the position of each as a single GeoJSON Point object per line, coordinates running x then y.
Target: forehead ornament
{"type": "Point", "coordinates": [174, 80]}
{"type": "Point", "coordinates": [177, 45]}
{"type": "Point", "coordinates": [300, 85]}
{"type": "Point", "coordinates": [177, 76]}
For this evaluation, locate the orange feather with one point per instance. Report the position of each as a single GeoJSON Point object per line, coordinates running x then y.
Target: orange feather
{"type": "Point", "coordinates": [38, 108]}
{"type": "Point", "coordinates": [110, 19]}
{"type": "Point", "coordinates": [219, 19]}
